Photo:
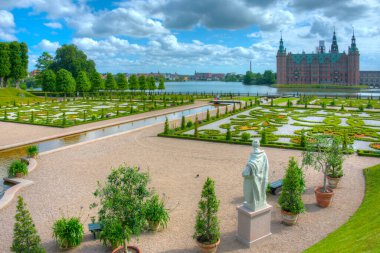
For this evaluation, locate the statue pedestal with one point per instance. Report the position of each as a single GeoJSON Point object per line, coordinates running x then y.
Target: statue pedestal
{"type": "Point", "coordinates": [253, 225]}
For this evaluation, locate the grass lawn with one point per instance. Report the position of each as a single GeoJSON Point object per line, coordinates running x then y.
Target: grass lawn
{"type": "Point", "coordinates": [12, 95]}
{"type": "Point", "coordinates": [352, 102]}
{"type": "Point", "coordinates": [283, 100]}
{"type": "Point", "coordinates": [362, 231]}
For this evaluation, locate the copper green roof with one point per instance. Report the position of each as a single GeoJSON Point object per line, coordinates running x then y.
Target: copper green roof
{"type": "Point", "coordinates": [334, 58]}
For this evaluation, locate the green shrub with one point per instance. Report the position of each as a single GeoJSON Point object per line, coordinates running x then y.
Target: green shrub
{"type": "Point", "coordinates": [290, 199]}
{"type": "Point", "coordinates": [245, 136]}
{"type": "Point", "coordinates": [156, 213]}
{"type": "Point", "coordinates": [68, 232]}
{"type": "Point", "coordinates": [32, 151]}
{"type": "Point", "coordinates": [189, 124]}
{"type": "Point", "coordinates": [228, 134]}
{"type": "Point", "coordinates": [303, 139]}
{"type": "Point", "coordinates": [112, 233]}
{"type": "Point", "coordinates": [166, 126]}
{"type": "Point", "coordinates": [207, 223]}
{"type": "Point", "coordinates": [25, 237]}
{"type": "Point", "coordinates": [264, 137]}
{"type": "Point", "coordinates": [196, 125]}
{"type": "Point", "coordinates": [17, 166]}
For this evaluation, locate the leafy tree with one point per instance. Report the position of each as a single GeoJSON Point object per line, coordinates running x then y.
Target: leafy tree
{"type": "Point", "coordinates": [24, 59]}
{"type": "Point", "coordinates": [248, 78]}
{"type": "Point", "coordinates": [290, 199]}
{"type": "Point", "coordinates": [97, 82]}
{"type": "Point", "coordinates": [65, 81]}
{"type": "Point", "coordinates": [268, 77]}
{"type": "Point", "coordinates": [207, 223]}
{"type": "Point", "coordinates": [161, 84]}
{"type": "Point", "coordinates": [151, 83]}
{"type": "Point", "coordinates": [72, 59]}
{"type": "Point", "coordinates": [110, 82]}
{"type": "Point", "coordinates": [83, 83]}
{"type": "Point", "coordinates": [121, 81]}
{"type": "Point", "coordinates": [25, 237]}
{"type": "Point", "coordinates": [5, 64]}
{"type": "Point", "coordinates": [133, 84]}
{"type": "Point", "coordinates": [44, 61]}
{"type": "Point", "coordinates": [142, 82]}
{"type": "Point", "coordinates": [122, 199]}
{"type": "Point", "coordinates": [47, 80]}
{"type": "Point", "coordinates": [324, 153]}
{"type": "Point", "coordinates": [16, 61]}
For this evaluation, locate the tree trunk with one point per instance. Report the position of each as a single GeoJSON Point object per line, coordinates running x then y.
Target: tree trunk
{"type": "Point", "coordinates": [1, 82]}
{"type": "Point", "coordinates": [18, 84]}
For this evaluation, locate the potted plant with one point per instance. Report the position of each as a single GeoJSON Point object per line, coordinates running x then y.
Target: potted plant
{"type": "Point", "coordinates": [18, 168]}
{"type": "Point", "coordinates": [68, 232]}
{"type": "Point", "coordinates": [207, 232]}
{"type": "Point", "coordinates": [321, 154]}
{"type": "Point", "coordinates": [156, 213]}
{"type": "Point", "coordinates": [290, 199]}
{"type": "Point", "coordinates": [122, 200]}
{"type": "Point", "coordinates": [335, 172]}
{"type": "Point", "coordinates": [32, 151]}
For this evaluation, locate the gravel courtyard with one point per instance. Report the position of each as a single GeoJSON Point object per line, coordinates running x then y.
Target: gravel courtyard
{"type": "Point", "coordinates": [64, 182]}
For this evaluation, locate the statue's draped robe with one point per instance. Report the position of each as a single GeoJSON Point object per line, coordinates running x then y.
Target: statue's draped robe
{"type": "Point", "coordinates": [256, 180]}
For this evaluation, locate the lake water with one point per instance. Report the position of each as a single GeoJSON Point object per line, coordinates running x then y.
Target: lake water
{"type": "Point", "coordinates": [238, 87]}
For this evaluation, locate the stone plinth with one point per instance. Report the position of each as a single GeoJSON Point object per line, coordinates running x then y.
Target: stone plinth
{"type": "Point", "coordinates": [253, 225]}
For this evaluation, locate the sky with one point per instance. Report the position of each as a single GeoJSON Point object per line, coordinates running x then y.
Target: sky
{"type": "Point", "coordinates": [184, 36]}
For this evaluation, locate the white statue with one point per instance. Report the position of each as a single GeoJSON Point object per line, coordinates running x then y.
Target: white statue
{"type": "Point", "coordinates": [255, 176]}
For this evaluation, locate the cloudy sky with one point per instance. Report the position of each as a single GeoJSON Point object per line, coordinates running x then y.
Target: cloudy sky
{"type": "Point", "coordinates": [184, 36]}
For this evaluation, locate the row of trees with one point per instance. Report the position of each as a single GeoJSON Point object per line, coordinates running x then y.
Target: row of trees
{"type": "Point", "coordinates": [70, 71]}
{"type": "Point", "coordinates": [257, 78]}
{"type": "Point", "coordinates": [13, 62]}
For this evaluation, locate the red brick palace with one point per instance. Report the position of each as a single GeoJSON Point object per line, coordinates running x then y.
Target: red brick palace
{"type": "Point", "coordinates": [321, 67]}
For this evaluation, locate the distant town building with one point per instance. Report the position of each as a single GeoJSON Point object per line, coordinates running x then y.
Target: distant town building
{"type": "Point", "coordinates": [207, 76]}
{"type": "Point", "coordinates": [321, 67]}
{"type": "Point", "coordinates": [370, 78]}
{"type": "Point", "coordinates": [34, 73]}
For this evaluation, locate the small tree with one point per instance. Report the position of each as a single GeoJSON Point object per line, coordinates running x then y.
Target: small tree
{"type": "Point", "coordinates": [122, 200]}
{"type": "Point", "coordinates": [166, 127]}
{"type": "Point", "coordinates": [228, 134]}
{"type": "Point", "coordinates": [289, 104]}
{"type": "Point", "coordinates": [196, 125]}
{"type": "Point", "coordinates": [290, 199]}
{"type": "Point", "coordinates": [217, 113]}
{"type": "Point", "coordinates": [207, 223]}
{"type": "Point", "coordinates": [264, 137]}
{"type": "Point", "coordinates": [303, 138]}
{"type": "Point", "coordinates": [245, 136]}
{"type": "Point", "coordinates": [323, 153]}
{"type": "Point", "coordinates": [25, 237]}
{"type": "Point", "coordinates": [271, 102]}
{"type": "Point", "coordinates": [208, 115]}
{"type": "Point", "coordinates": [161, 84]}
{"type": "Point", "coordinates": [183, 123]}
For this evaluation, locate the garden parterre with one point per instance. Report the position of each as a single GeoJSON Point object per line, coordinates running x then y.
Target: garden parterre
{"type": "Point", "coordinates": [283, 127]}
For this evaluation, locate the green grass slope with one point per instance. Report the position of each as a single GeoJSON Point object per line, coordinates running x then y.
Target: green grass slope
{"type": "Point", "coordinates": [361, 233]}
{"type": "Point", "coordinates": [9, 95]}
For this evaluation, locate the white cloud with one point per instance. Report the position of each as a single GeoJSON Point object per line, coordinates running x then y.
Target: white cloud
{"type": "Point", "coordinates": [47, 45]}
{"type": "Point", "coordinates": [53, 25]}
{"type": "Point", "coordinates": [7, 26]}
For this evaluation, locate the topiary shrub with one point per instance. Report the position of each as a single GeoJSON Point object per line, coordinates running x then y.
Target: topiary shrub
{"type": "Point", "coordinates": [25, 236]}
{"type": "Point", "coordinates": [18, 167]}
{"type": "Point", "coordinates": [245, 136]}
{"type": "Point", "coordinates": [290, 199]}
{"type": "Point", "coordinates": [207, 223]}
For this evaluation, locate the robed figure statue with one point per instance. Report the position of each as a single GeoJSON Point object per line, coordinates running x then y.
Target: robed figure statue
{"type": "Point", "coordinates": [255, 176]}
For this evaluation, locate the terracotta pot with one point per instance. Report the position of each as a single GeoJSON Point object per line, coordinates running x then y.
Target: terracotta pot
{"type": "Point", "coordinates": [289, 218]}
{"type": "Point", "coordinates": [153, 225]}
{"type": "Point", "coordinates": [131, 249]}
{"type": "Point", "coordinates": [208, 248]}
{"type": "Point", "coordinates": [333, 182]}
{"type": "Point", "coordinates": [19, 175]}
{"type": "Point", "coordinates": [324, 199]}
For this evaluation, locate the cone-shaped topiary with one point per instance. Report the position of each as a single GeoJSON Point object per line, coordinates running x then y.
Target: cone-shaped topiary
{"type": "Point", "coordinates": [166, 127]}
{"type": "Point", "coordinates": [207, 223]}
{"type": "Point", "coordinates": [183, 123]}
{"type": "Point", "coordinates": [196, 124]}
{"type": "Point", "coordinates": [25, 237]}
{"type": "Point", "coordinates": [290, 199]}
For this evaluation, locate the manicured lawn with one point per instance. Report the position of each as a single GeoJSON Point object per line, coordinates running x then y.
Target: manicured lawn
{"type": "Point", "coordinates": [352, 102]}
{"type": "Point", "coordinates": [13, 95]}
{"type": "Point", "coordinates": [362, 231]}
{"type": "Point", "coordinates": [283, 100]}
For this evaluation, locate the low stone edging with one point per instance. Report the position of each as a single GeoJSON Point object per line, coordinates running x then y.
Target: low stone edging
{"type": "Point", "coordinates": [19, 183]}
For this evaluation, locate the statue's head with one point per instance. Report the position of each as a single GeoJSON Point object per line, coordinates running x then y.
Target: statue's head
{"type": "Point", "coordinates": [255, 144]}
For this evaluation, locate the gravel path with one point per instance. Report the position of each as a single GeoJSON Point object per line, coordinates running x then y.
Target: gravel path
{"type": "Point", "coordinates": [66, 179]}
